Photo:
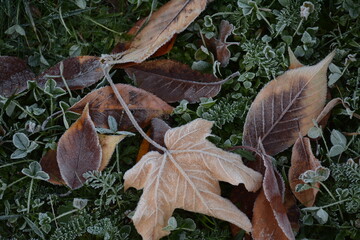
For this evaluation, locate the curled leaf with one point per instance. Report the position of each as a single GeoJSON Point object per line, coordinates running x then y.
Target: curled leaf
{"type": "Point", "coordinates": [78, 72]}
{"type": "Point", "coordinates": [103, 103]}
{"type": "Point", "coordinates": [186, 176]}
{"type": "Point", "coordinates": [173, 81]}
{"type": "Point", "coordinates": [108, 144]}
{"type": "Point", "coordinates": [79, 151]}
{"type": "Point", "coordinates": [14, 74]}
{"type": "Point", "coordinates": [286, 106]}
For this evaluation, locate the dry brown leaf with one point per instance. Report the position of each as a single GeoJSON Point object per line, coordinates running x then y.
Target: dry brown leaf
{"type": "Point", "coordinates": [294, 62]}
{"type": "Point", "coordinates": [50, 165]}
{"type": "Point", "coordinates": [286, 106]}
{"type": "Point", "coordinates": [103, 103]}
{"type": "Point", "coordinates": [173, 81]}
{"type": "Point", "coordinates": [108, 144]}
{"type": "Point", "coordinates": [79, 151]}
{"type": "Point", "coordinates": [220, 46]}
{"type": "Point", "coordinates": [173, 17]}
{"type": "Point", "coordinates": [78, 72]}
{"type": "Point", "coordinates": [274, 190]}
{"type": "Point", "coordinates": [14, 74]}
{"type": "Point", "coordinates": [186, 176]}
{"type": "Point", "coordinates": [303, 159]}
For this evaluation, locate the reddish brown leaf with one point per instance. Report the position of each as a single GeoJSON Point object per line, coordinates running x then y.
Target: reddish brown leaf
{"type": "Point", "coordinates": [287, 106]}
{"type": "Point", "coordinates": [79, 72]}
{"type": "Point", "coordinates": [303, 159]}
{"type": "Point", "coordinates": [274, 190]}
{"type": "Point", "coordinates": [265, 226]}
{"type": "Point", "coordinates": [79, 151]}
{"type": "Point", "coordinates": [172, 18]}
{"type": "Point", "coordinates": [292, 210]}
{"type": "Point", "coordinates": [14, 74]}
{"type": "Point", "coordinates": [103, 103]}
{"type": "Point", "coordinates": [50, 165]}
{"type": "Point", "coordinates": [220, 46]}
{"type": "Point", "coordinates": [173, 81]}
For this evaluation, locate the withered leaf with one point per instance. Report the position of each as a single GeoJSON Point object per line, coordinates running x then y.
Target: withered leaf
{"type": "Point", "coordinates": [274, 191]}
{"type": "Point", "coordinates": [79, 151]}
{"type": "Point", "coordinates": [303, 159]}
{"type": "Point", "coordinates": [173, 81]}
{"type": "Point", "coordinates": [50, 165]}
{"type": "Point", "coordinates": [123, 46]}
{"type": "Point", "coordinates": [286, 106]}
{"type": "Point", "coordinates": [103, 103]}
{"type": "Point", "coordinates": [79, 72]}
{"type": "Point", "coordinates": [173, 17]}
{"type": "Point", "coordinates": [156, 133]}
{"type": "Point", "coordinates": [108, 144]}
{"type": "Point", "coordinates": [186, 176]}
{"type": "Point", "coordinates": [220, 46]}
{"type": "Point", "coordinates": [294, 62]}
{"type": "Point", "coordinates": [14, 74]}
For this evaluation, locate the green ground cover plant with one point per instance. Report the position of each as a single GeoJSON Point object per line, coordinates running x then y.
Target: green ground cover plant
{"type": "Point", "coordinates": [46, 32]}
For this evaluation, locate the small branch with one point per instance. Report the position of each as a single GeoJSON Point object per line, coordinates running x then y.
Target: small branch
{"type": "Point", "coordinates": [106, 70]}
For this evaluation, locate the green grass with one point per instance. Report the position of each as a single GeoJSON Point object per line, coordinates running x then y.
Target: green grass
{"type": "Point", "coordinates": [46, 32]}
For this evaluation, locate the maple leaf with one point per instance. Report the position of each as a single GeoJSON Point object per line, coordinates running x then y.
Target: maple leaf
{"type": "Point", "coordinates": [187, 176]}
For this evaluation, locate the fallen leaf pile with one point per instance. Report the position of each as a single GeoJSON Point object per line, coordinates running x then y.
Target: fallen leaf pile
{"type": "Point", "coordinates": [183, 169]}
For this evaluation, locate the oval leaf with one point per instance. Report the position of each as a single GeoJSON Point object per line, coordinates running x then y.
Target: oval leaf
{"type": "Point", "coordinates": [286, 106]}
{"type": "Point", "coordinates": [79, 151]}
{"type": "Point", "coordinates": [173, 17]}
{"type": "Point", "coordinates": [79, 72]}
{"type": "Point", "coordinates": [14, 74]}
{"type": "Point", "coordinates": [50, 165]}
{"type": "Point", "coordinates": [103, 103]}
{"type": "Point", "coordinates": [173, 81]}
{"type": "Point", "coordinates": [302, 160]}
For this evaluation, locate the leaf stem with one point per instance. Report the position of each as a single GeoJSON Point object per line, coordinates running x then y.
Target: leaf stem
{"type": "Point", "coordinates": [106, 70]}
{"type": "Point", "coordinates": [65, 214]}
{"type": "Point", "coordinates": [29, 196]}
{"type": "Point", "coordinates": [332, 196]}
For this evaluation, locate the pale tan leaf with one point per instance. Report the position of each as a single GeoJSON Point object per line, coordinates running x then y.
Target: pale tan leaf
{"type": "Point", "coordinates": [173, 17]}
{"type": "Point", "coordinates": [294, 62]}
{"type": "Point", "coordinates": [287, 106]}
{"type": "Point", "coordinates": [187, 176]}
{"type": "Point", "coordinates": [108, 144]}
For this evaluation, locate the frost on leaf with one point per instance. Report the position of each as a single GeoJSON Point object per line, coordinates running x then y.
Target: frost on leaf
{"type": "Point", "coordinates": [187, 176]}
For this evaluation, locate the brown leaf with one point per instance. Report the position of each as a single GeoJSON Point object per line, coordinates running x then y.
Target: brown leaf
{"type": "Point", "coordinates": [265, 226]}
{"type": "Point", "coordinates": [274, 190]}
{"type": "Point", "coordinates": [14, 74]}
{"type": "Point", "coordinates": [287, 106]}
{"type": "Point", "coordinates": [220, 46]}
{"type": "Point", "coordinates": [103, 103]}
{"type": "Point", "coordinates": [173, 17]}
{"type": "Point", "coordinates": [123, 46]}
{"type": "Point", "coordinates": [173, 81]}
{"type": "Point", "coordinates": [79, 72]}
{"type": "Point", "coordinates": [324, 115]}
{"type": "Point", "coordinates": [108, 144]}
{"type": "Point", "coordinates": [294, 62]}
{"type": "Point", "coordinates": [50, 165]}
{"type": "Point", "coordinates": [156, 133]}
{"type": "Point", "coordinates": [79, 151]}
{"type": "Point", "coordinates": [186, 176]}
{"type": "Point", "coordinates": [303, 159]}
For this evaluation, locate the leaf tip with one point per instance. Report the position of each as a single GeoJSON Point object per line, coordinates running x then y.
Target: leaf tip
{"type": "Point", "coordinates": [294, 62]}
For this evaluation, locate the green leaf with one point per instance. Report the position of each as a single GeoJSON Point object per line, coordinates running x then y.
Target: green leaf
{"type": "Point", "coordinates": [172, 225]}
{"type": "Point", "coordinates": [337, 138]}
{"type": "Point", "coordinates": [51, 89]}
{"type": "Point", "coordinates": [79, 203]}
{"type": "Point", "coordinates": [18, 154]}
{"type": "Point", "coordinates": [321, 216]}
{"type": "Point", "coordinates": [34, 171]}
{"type": "Point", "coordinates": [34, 228]}
{"type": "Point", "coordinates": [188, 225]}
{"type": "Point", "coordinates": [112, 124]}
{"type": "Point", "coordinates": [21, 141]}
{"type": "Point", "coordinates": [336, 150]}
{"type": "Point", "coordinates": [314, 132]}
{"type": "Point", "coordinates": [80, 3]}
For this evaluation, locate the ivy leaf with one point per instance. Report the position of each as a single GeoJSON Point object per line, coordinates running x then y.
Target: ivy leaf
{"type": "Point", "coordinates": [186, 176]}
